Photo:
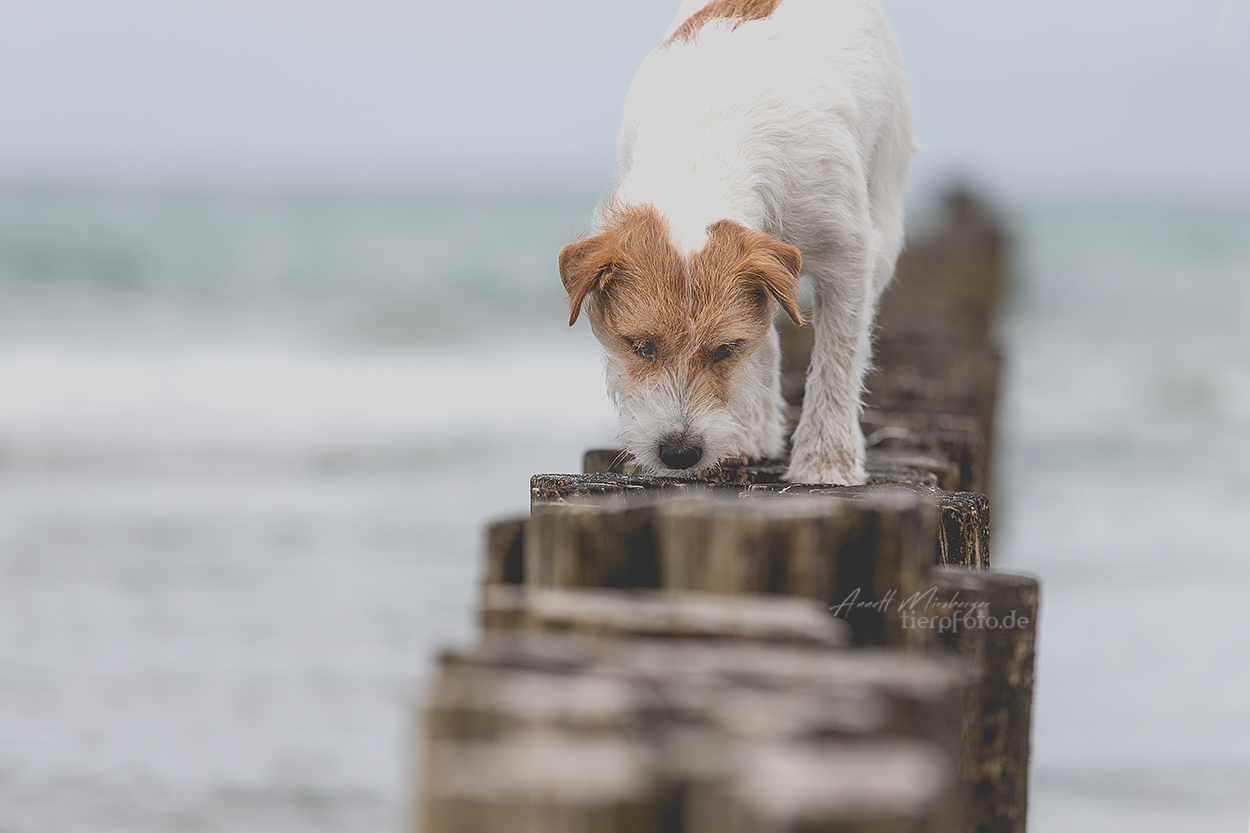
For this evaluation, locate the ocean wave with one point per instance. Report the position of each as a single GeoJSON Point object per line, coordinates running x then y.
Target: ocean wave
{"type": "Point", "coordinates": [324, 411]}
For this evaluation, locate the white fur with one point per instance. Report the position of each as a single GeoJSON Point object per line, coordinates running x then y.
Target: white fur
{"type": "Point", "coordinates": [797, 126]}
{"type": "Point", "coordinates": [751, 425]}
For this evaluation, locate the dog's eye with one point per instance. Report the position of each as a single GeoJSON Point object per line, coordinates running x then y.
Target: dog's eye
{"type": "Point", "coordinates": [723, 352]}
{"type": "Point", "coordinates": [644, 348]}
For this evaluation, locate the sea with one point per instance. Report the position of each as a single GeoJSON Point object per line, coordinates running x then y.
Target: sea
{"type": "Point", "coordinates": [249, 441]}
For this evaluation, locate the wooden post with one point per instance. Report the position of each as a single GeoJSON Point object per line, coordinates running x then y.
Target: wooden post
{"type": "Point", "coordinates": [592, 543]}
{"type": "Point", "coordinates": [540, 782]}
{"type": "Point", "coordinates": [960, 440]}
{"type": "Point", "coordinates": [505, 551]}
{"type": "Point", "coordinates": [963, 530]}
{"type": "Point", "coordinates": [551, 488]}
{"type": "Point", "coordinates": [619, 614]}
{"type": "Point", "coordinates": [828, 787]}
{"type": "Point", "coordinates": [927, 377]}
{"type": "Point", "coordinates": [998, 630]}
{"type": "Point", "coordinates": [481, 701]}
{"type": "Point", "coordinates": [701, 718]}
{"type": "Point", "coordinates": [889, 464]}
{"type": "Point", "coordinates": [853, 554]}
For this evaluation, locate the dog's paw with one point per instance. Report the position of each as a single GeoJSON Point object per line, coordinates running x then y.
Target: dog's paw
{"type": "Point", "coordinates": [836, 472]}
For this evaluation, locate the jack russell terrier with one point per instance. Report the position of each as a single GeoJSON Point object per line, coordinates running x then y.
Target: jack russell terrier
{"type": "Point", "coordinates": [761, 139]}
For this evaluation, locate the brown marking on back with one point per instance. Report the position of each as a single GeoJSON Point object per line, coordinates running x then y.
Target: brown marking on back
{"type": "Point", "coordinates": [737, 10]}
{"type": "Point", "coordinates": [638, 286]}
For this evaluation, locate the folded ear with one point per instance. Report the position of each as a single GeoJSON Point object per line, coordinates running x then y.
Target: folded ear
{"type": "Point", "coordinates": [583, 268]}
{"type": "Point", "coordinates": [776, 267]}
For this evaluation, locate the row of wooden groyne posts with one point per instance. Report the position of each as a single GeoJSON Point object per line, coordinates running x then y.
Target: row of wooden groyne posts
{"type": "Point", "coordinates": [735, 654]}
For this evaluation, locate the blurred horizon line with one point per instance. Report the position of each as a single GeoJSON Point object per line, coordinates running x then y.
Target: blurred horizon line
{"type": "Point", "coordinates": [926, 187]}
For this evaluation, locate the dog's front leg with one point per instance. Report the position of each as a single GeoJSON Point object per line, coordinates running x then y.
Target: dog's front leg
{"type": "Point", "coordinates": [828, 445]}
{"type": "Point", "coordinates": [760, 408]}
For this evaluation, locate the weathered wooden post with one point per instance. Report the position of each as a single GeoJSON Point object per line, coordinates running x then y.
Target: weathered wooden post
{"type": "Point", "coordinates": [854, 551]}
{"type": "Point", "coordinates": [505, 551]}
{"type": "Point", "coordinates": [540, 782]}
{"type": "Point", "coordinates": [863, 787]}
{"type": "Point", "coordinates": [605, 542]}
{"type": "Point", "coordinates": [681, 730]}
{"type": "Point", "coordinates": [662, 614]}
{"type": "Point", "coordinates": [853, 554]}
{"type": "Point", "coordinates": [994, 621]}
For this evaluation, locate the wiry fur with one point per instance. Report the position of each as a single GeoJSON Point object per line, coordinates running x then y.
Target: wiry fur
{"type": "Point", "coordinates": [745, 141]}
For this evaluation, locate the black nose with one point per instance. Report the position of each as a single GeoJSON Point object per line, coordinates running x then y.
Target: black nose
{"type": "Point", "coordinates": [679, 452]}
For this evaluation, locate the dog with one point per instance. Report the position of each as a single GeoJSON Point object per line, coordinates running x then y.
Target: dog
{"type": "Point", "coordinates": [761, 140]}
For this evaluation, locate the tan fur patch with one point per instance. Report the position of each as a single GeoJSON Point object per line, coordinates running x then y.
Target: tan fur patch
{"type": "Point", "coordinates": [739, 10]}
{"type": "Point", "coordinates": [639, 288]}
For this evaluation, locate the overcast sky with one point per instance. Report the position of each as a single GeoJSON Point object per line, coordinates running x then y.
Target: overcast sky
{"type": "Point", "coordinates": [1135, 96]}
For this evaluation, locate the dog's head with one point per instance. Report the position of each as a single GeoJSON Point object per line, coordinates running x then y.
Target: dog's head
{"type": "Point", "coordinates": [682, 330]}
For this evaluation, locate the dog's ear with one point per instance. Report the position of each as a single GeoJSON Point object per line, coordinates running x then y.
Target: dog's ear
{"type": "Point", "coordinates": [776, 266]}
{"type": "Point", "coordinates": [583, 268]}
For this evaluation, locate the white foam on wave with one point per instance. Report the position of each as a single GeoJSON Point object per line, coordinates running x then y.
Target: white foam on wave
{"type": "Point", "coordinates": [238, 396]}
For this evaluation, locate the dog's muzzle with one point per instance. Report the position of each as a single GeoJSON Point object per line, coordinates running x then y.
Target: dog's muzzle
{"type": "Point", "coordinates": [678, 451]}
